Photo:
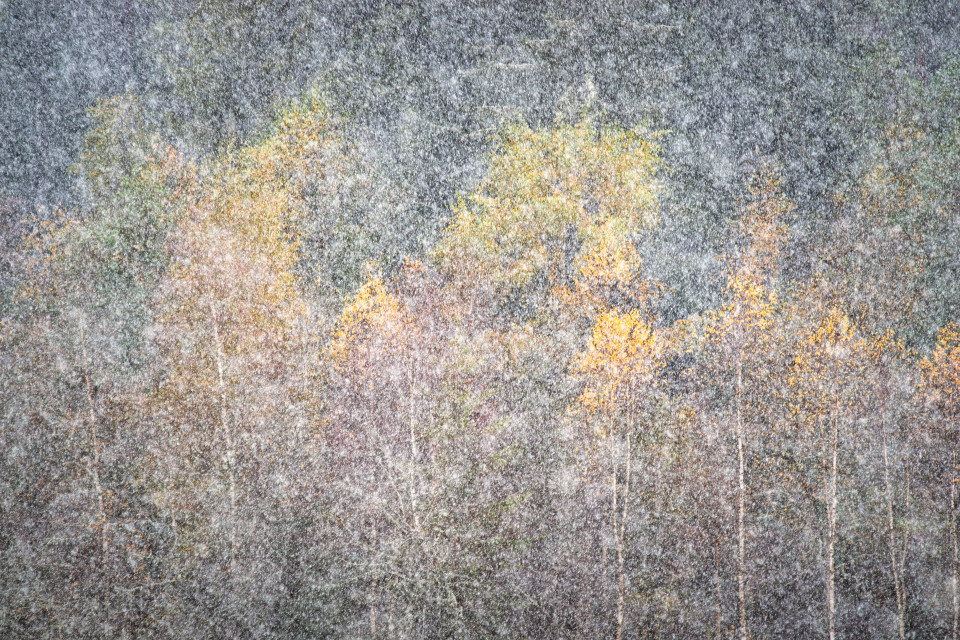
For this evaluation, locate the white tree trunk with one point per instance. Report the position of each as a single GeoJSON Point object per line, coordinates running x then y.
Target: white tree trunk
{"type": "Point", "coordinates": [229, 439]}
{"type": "Point", "coordinates": [832, 528]}
{"type": "Point", "coordinates": [956, 547]}
{"type": "Point", "coordinates": [741, 510]}
{"type": "Point", "coordinates": [898, 586]}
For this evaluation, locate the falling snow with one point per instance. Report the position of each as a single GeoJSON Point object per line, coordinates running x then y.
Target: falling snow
{"type": "Point", "coordinates": [468, 319]}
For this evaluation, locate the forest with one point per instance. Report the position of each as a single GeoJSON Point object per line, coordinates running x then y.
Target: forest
{"type": "Point", "coordinates": [463, 319]}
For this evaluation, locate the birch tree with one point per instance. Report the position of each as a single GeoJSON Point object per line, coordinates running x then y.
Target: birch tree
{"type": "Point", "coordinates": [741, 336]}
{"type": "Point", "coordinates": [941, 382]}
{"type": "Point", "coordinates": [619, 368]}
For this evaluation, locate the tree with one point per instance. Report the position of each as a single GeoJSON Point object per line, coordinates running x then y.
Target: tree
{"type": "Point", "coordinates": [231, 374]}
{"type": "Point", "coordinates": [941, 382]}
{"type": "Point", "coordinates": [75, 335]}
{"type": "Point", "coordinates": [887, 358]}
{"type": "Point", "coordinates": [546, 245]}
{"type": "Point", "coordinates": [741, 335]}
{"type": "Point", "coordinates": [424, 461]}
{"type": "Point", "coordinates": [555, 219]}
{"type": "Point", "coordinates": [827, 377]}
{"type": "Point", "coordinates": [620, 369]}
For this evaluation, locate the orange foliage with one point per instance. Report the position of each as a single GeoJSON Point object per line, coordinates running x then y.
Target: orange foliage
{"type": "Point", "coordinates": [620, 362]}
{"type": "Point", "coordinates": [941, 371]}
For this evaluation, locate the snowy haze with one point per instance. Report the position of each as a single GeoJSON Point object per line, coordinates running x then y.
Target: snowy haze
{"type": "Point", "coordinates": [473, 320]}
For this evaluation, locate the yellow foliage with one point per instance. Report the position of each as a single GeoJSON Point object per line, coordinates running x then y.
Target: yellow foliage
{"type": "Point", "coordinates": [235, 251]}
{"type": "Point", "coordinates": [752, 298]}
{"type": "Point", "coordinates": [373, 311]}
{"type": "Point", "coordinates": [941, 370]}
{"type": "Point", "coordinates": [830, 363]}
{"type": "Point", "coordinates": [620, 362]}
{"type": "Point", "coordinates": [563, 203]}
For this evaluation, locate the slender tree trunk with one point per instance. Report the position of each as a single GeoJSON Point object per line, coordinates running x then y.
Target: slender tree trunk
{"type": "Point", "coordinates": [620, 539]}
{"type": "Point", "coordinates": [390, 631]}
{"type": "Point", "coordinates": [832, 527]}
{"type": "Point", "coordinates": [414, 449]}
{"type": "Point", "coordinates": [93, 464]}
{"type": "Point", "coordinates": [906, 537]}
{"type": "Point", "coordinates": [603, 563]}
{"type": "Point", "coordinates": [603, 542]}
{"type": "Point", "coordinates": [741, 509]}
{"type": "Point", "coordinates": [825, 474]}
{"type": "Point", "coordinates": [956, 547]}
{"type": "Point", "coordinates": [897, 572]}
{"type": "Point", "coordinates": [615, 507]}
{"type": "Point", "coordinates": [228, 436]}
{"type": "Point", "coordinates": [718, 630]}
